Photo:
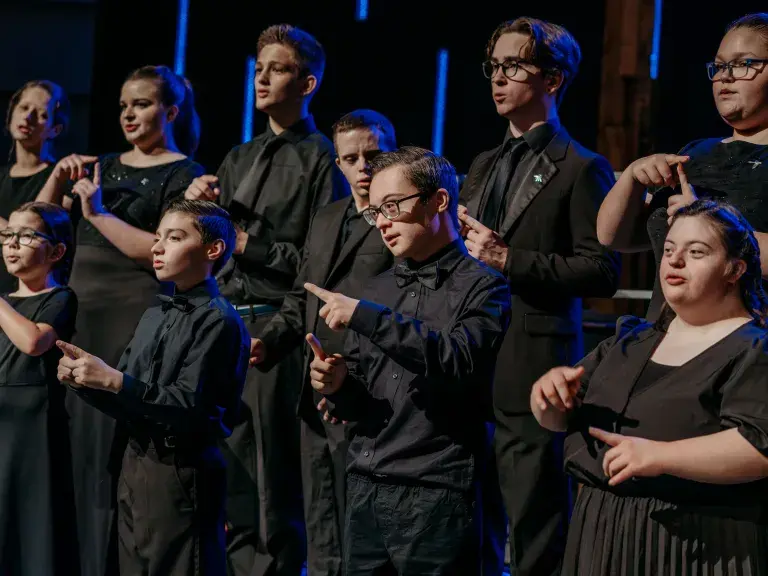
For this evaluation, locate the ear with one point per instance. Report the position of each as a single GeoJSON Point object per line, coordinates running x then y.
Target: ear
{"type": "Point", "coordinates": [216, 250]}
{"type": "Point", "coordinates": [553, 81]}
{"type": "Point", "coordinates": [172, 113]}
{"type": "Point", "coordinates": [310, 85]}
{"type": "Point", "coordinates": [443, 200]}
{"type": "Point", "coordinates": [58, 252]}
{"type": "Point", "coordinates": [737, 269]}
{"type": "Point", "coordinates": [338, 162]}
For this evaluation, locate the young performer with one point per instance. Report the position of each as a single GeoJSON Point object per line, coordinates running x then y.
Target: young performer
{"type": "Point", "coordinates": [341, 253]}
{"type": "Point", "coordinates": [666, 422]}
{"type": "Point", "coordinates": [531, 206]}
{"type": "Point", "coordinates": [272, 185]}
{"type": "Point", "coordinates": [734, 168]}
{"type": "Point", "coordinates": [177, 388]}
{"type": "Point", "coordinates": [120, 200]}
{"type": "Point", "coordinates": [37, 113]}
{"type": "Point", "coordinates": [35, 472]}
{"type": "Point", "coordinates": [415, 377]}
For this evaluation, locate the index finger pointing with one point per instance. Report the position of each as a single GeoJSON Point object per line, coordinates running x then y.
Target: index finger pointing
{"type": "Point", "coordinates": [321, 293]}
{"type": "Point", "coordinates": [673, 159]}
{"type": "Point", "coordinates": [70, 350]}
{"type": "Point", "coordinates": [608, 437]}
{"type": "Point", "coordinates": [317, 348]}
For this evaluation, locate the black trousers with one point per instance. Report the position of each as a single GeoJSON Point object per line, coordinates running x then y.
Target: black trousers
{"type": "Point", "coordinates": [396, 529]}
{"type": "Point", "coordinates": [170, 512]}
{"type": "Point", "coordinates": [535, 491]}
{"type": "Point", "coordinates": [323, 471]}
{"type": "Point", "coordinates": [265, 520]}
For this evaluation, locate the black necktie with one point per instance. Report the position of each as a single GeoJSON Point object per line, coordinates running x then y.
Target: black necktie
{"type": "Point", "coordinates": [251, 185]}
{"type": "Point", "coordinates": [510, 156]}
{"type": "Point", "coordinates": [178, 302]}
{"type": "Point", "coordinates": [428, 275]}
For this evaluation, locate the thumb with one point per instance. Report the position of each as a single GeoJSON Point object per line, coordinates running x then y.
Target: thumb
{"type": "Point", "coordinates": [97, 174]}
{"type": "Point", "coordinates": [72, 351]}
{"type": "Point", "coordinates": [685, 188]}
{"type": "Point", "coordinates": [314, 343]}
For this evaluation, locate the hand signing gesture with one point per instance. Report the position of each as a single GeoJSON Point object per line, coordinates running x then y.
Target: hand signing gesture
{"type": "Point", "coordinates": [337, 309]}
{"type": "Point", "coordinates": [205, 187]}
{"type": "Point", "coordinates": [557, 389]}
{"type": "Point", "coordinates": [72, 167]}
{"type": "Point", "coordinates": [687, 195]}
{"type": "Point", "coordinates": [78, 367]}
{"type": "Point", "coordinates": [629, 456]}
{"type": "Point", "coordinates": [326, 373]}
{"type": "Point", "coordinates": [483, 243]}
{"type": "Point", "coordinates": [656, 169]}
{"type": "Point", "coordinates": [90, 194]}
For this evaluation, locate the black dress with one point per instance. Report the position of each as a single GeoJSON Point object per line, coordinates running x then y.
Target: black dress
{"type": "Point", "coordinates": [114, 292]}
{"type": "Point", "coordinates": [736, 172]}
{"type": "Point", "coordinates": [35, 472]}
{"type": "Point", "coordinates": [15, 191]}
{"type": "Point", "coordinates": [667, 525]}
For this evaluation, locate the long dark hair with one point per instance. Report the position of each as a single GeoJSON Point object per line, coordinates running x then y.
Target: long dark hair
{"type": "Point", "coordinates": [176, 91]}
{"type": "Point", "coordinates": [61, 107]}
{"type": "Point", "coordinates": [739, 241]}
{"type": "Point", "coordinates": [58, 225]}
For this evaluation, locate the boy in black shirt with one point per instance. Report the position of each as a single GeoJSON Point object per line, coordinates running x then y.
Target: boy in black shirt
{"type": "Point", "coordinates": [177, 388]}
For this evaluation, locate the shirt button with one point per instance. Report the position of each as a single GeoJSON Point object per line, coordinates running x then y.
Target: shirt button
{"type": "Point", "coordinates": [413, 294]}
{"type": "Point", "coordinates": [394, 375]}
{"type": "Point", "coordinates": [366, 453]}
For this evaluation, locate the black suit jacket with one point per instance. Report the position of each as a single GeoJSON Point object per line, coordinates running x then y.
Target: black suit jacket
{"type": "Point", "coordinates": [330, 266]}
{"type": "Point", "coordinates": [554, 260]}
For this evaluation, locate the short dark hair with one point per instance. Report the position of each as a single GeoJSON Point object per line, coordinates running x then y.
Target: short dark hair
{"type": "Point", "coordinates": [309, 53]}
{"type": "Point", "coordinates": [739, 241]}
{"type": "Point", "coordinates": [757, 22]}
{"type": "Point", "coordinates": [212, 221]}
{"type": "Point", "coordinates": [550, 46]}
{"type": "Point", "coordinates": [369, 119]}
{"type": "Point", "coordinates": [58, 225]}
{"type": "Point", "coordinates": [427, 171]}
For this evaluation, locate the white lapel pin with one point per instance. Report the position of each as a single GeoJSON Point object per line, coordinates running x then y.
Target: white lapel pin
{"type": "Point", "coordinates": [537, 178]}
{"type": "Point", "coordinates": [755, 163]}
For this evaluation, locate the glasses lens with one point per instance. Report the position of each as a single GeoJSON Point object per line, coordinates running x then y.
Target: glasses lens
{"type": "Point", "coordinates": [370, 216]}
{"type": "Point", "coordinates": [510, 69]}
{"type": "Point", "coordinates": [390, 210]}
{"type": "Point", "coordinates": [25, 238]}
{"type": "Point", "coordinates": [489, 68]}
{"type": "Point", "coordinates": [6, 237]}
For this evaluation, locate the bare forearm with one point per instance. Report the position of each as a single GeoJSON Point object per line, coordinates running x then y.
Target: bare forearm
{"type": "Point", "coordinates": [23, 333]}
{"type": "Point", "coordinates": [620, 215]}
{"type": "Point", "coordinates": [722, 458]}
{"type": "Point", "coordinates": [132, 242]}
{"type": "Point", "coordinates": [52, 191]}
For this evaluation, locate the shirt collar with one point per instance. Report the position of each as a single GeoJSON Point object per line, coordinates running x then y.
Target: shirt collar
{"type": "Point", "coordinates": [200, 294]}
{"type": "Point", "coordinates": [445, 259]}
{"type": "Point", "coordinates": [537, 138]}
{"type": "Point", "coordinates": [296, 132]}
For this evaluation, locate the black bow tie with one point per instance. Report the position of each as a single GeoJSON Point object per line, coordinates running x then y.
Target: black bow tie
{"type": "Point", "coordinates": [178, 302]}
{"type": "Point", "coordinates": [428, 275]}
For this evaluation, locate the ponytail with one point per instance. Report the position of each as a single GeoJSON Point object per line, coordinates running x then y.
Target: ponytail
{"type": "Point", "coordinates": [176, 91]}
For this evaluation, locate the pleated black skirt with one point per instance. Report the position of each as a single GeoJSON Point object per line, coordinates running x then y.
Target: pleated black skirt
{"type": "Point", "coordinates": [631, 536]}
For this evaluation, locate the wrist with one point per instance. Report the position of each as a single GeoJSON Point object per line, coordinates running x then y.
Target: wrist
{"type": "Point", "coordinates": [666, 454]}
{"type": "Point", "coordinates": [115, 381]}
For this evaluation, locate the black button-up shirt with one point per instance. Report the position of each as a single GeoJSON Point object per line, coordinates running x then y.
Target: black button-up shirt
{"type": "Point", "coordinates": [272, 186]}
{"type": "Point", "coordinates": [184, 369]}
{"type": "Point", "coordinates": [421, 362]}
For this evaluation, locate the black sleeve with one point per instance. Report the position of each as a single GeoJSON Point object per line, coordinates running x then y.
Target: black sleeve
{"type": "Point", "coordinates": [592, 270]}
{"type": "Point", "coordinates": [353, 402]}
{"type": "Point", "coordinates": [210, 379]}
{"type": "Point", "coordinates": [59, 311]}
{"type": "Point", "coordinates": [458, 356]}
{"type": "Point", "coordinates": [179, 181]}
{"type": "Point", "coordinates": [744, 404]}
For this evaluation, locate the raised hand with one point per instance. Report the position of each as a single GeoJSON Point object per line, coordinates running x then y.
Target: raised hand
{"type": "Point", "coordinates": [687, 194]}
{"type": "Point", "coordinates": [89, 192]}
{"type": "Point", "coordinates": [337, 309]}
{"type": "Point", "coordinates": [326, 373]}
{"type": "Point", "coordinates": [656, 169]}
{"type": "Point", "coordinates": [483, 243]}
{"type": "Point", "coordinates": [205, 187]}
{"type": "Point", "coordinates": [258, 352]}
{"type": "Point", "coordinates": [629, 456]}
{"type": "Point", "coordinates": [557, 389]}
{"type": "Point", "coordinates": [73, 167]}
{"type": "Point", "coordinates": [83, 369]}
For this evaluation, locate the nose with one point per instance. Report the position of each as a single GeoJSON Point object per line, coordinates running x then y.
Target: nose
{"type": "Point", "coordinates": [498, 77]}
{"type": "Point", "coordinates": [382, 222]}
{"type": "Point", "coordinates": [363, 165]}
{"type": "Point", "coordinates": [676, 259]}
{"type": "Point", "coordinates": [262, 77]}
{"type": "Point", "coordinates": [157, 247]}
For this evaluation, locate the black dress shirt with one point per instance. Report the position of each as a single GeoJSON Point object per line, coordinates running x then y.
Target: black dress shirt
{"type": "Point", "coordinates": [271, 186]}
{"type": "Point", "coordinates": [421, 362]}
{"type": "Point", "coordinates": [184, 369]}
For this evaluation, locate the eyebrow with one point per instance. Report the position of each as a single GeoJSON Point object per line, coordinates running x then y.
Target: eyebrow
{"type": "Point", "coordinates": [169, 230]}
{"type": "Point", "coordinates": [392, 197]}
{"type": "Point", "coordinates": [737, 56]}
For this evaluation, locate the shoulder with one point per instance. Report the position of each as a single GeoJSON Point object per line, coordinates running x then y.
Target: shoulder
{"type": "Point", "coordinates": [484, 157]}
{"type": "Point", "coordinates": [486, 276]}
{"type": "Point", "coordinates": [699, 147]}
{"type": "Point", "coordinates": [244, 150]}
{"type": "Point", "coordinates": [190, 167]}
{"type": "Point", "coordinates": [318, 147]}
{"type": "Point", "coordinates": [63, 296]}
{"type": "Point", "coordinates": [582, 156]}
{"type": "Point", "coordinates": [333, 208]}
{"type": "Point", "coordinates": [221, 313]}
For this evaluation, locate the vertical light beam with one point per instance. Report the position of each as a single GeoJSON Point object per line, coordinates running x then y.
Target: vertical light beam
{"type": "Point", "coordinates": [248, 102]}
{"type": "Point", "coordinates": [441, 86]}
{"type": "Point", "coordinates": [180, 58]}
{"type": "Point", "coordinates": [361, 10]}
{"type": "Point", "coordinates": [656, 45]}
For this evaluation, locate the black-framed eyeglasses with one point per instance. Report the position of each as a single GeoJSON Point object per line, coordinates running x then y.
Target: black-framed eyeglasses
{"type": "Point", "coordinates": [509, 67]}
{"type": "Point", "coordinates": [390, 210]}
{"type": "Point", "coordinates": [24, 235]}
{"type": "Point", "coordinates": [738, 69]}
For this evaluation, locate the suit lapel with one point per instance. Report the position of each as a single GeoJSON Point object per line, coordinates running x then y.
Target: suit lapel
{"type": "Point", "coordinates": [356, 237]}
{"type": "Point", "coordinates": [535, 179]}
{"type": "Point", "coordinates": [479, 184]}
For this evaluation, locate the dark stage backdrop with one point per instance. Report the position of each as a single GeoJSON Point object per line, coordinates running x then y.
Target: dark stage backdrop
{"type": "Point", "coordinates": [387, 63]}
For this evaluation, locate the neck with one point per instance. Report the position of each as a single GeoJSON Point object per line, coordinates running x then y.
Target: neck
{"type": "Point", "coordinates": [192, 280]}
{"type": "Point", "coordinates": [163, 145]}
{"type": "Point", "coordinates": [32, 286]}
{"type": "Point", "coordinates": [31, 159]}
{"type": "Point", "coordinates": [361, 202]}
{"type": "Point", "coordinates": [705, 314]}
{"type": "Point", "coordinates": [521, 121]}
{"type": "Point", "coordinates": [758, 135]}
{"type": "Point", "coordinates": [444, 236]}
{"type": "Point", "coordinates": [281, 120]}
